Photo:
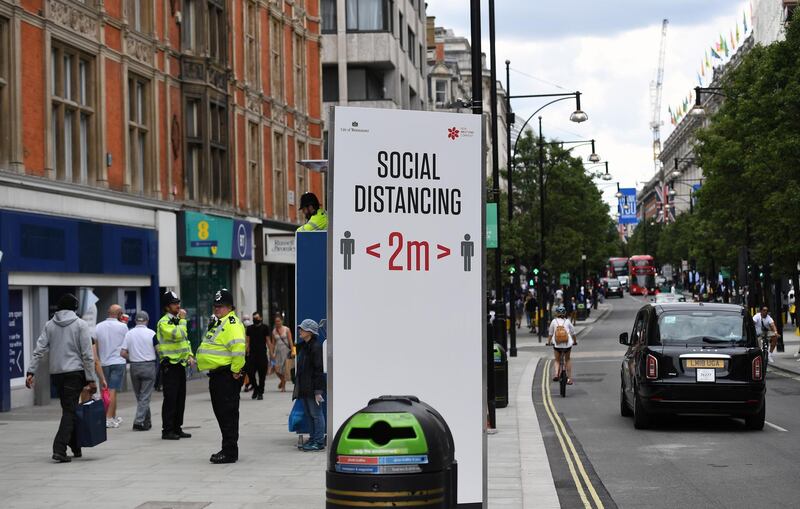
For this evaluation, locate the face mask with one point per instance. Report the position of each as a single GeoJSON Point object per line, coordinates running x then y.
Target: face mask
{"type": "Point", "coordinates": [257, 322]}
{"type": "Point", "coordinates": [248, 322]}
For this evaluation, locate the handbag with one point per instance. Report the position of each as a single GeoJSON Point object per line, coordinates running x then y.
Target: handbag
{"type": "Point", "coordinates": [91, 425]}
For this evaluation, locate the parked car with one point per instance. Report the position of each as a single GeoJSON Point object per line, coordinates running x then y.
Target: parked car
{"type": "Point", "coordinates": [613, 287]}
{"type": "Point", "coordinates": [696, 358]}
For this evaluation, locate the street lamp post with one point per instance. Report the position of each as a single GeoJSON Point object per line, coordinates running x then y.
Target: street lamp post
{"type": "Point", "coordinates": [477, 109]}
{"type": "Point", "coordinates": [577, 116]}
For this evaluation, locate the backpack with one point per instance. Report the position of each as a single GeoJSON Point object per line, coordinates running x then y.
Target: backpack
{"type": "Point", "coordinates": [561, 335]}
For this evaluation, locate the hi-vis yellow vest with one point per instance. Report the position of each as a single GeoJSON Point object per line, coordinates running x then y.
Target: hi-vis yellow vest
{"type": "Point", "coordinates": [173, 340]}
{"type": "Point", "coordinates": [318, 222]}
{"type": "Point", "coordinates": [223, 345]}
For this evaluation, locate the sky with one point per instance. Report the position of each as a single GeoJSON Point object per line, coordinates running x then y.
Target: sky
{"type": "Point", "coordinates": [608, 50]}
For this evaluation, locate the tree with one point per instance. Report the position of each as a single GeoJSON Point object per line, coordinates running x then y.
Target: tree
{"type": "Point", "coordinates": [749, 154]}
{"type": "Point", "coordinates": [576, 217]}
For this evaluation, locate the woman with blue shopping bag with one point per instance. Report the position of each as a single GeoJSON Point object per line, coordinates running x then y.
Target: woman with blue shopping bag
{"type": "Point", "coordinates": [310, 386]}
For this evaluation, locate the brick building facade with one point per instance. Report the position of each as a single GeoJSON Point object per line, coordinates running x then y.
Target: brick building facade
{"type": "Point", "coordinates": [133, 114]}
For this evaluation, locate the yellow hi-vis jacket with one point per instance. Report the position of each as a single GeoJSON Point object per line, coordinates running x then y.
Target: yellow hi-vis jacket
{"type": "Point", "coordinates": [173, 339]}
{"type": "Point", "coordinates": [223, 345]}
{"type": "Point", "coordinates": [317, 223]}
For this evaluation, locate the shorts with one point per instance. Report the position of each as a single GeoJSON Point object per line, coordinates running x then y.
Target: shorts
{"type": "Point", "coordinates": [562, 350]}
{"type": "Point", "coordinates": [114, 374]}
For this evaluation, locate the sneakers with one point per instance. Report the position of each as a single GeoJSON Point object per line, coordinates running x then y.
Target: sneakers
{"type": "Point", "coordinates": [313, 447]}
{"type": "Point", "coordinates": [118, 420]}
{"type": "Point", "coordinates": [771, 358]}
{"type": "Point", "coordinates": [111, 423]}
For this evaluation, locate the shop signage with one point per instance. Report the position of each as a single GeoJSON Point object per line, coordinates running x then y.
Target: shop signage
{"type": "Point", "coordinates": [16, 347]}
{"type": "Point", "coordinates": [406, 230]}
{"type": "Point", "coordinates": [279, 248]}
{"type": "Point", "coordinates": [207, 236]}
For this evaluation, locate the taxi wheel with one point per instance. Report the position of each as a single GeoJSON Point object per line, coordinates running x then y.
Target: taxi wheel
{"type": "Point", "coordinates": [641, 419]}
{"type": "Point", "coordinates": [624, 409]}
{"type": "Point", "coordinates": [756, 422]}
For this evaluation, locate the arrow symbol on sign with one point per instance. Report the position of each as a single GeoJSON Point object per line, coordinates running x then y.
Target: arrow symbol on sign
{"type": "Point", "coordinates": [19, 359]}
{"type": "Point", "coordinates": [371, 250]}
{"type": "Point", "coordinates": [445, 251]}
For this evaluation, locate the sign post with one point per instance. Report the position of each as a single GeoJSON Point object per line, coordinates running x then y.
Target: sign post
{"type": "Point", "coordinates": [406, 304]}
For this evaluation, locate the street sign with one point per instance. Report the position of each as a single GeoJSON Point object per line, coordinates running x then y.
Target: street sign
{"type": "Point", "coordinates": [564, 278]}
{"type": "Point", "coordinates": [405, 246]}
{"type": "Point", "coordinates": [16, 349]}
{"type": "Point", "coordinates": [491, 226]}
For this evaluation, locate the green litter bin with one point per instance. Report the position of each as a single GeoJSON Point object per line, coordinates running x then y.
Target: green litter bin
{"type": "Point", "coordinates": [395, 452]}
{"type": "Point", "coordinates": [500, 377]}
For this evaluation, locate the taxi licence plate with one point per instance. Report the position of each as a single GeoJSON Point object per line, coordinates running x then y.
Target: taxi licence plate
{"type": "Point", "coordinates": [705, 363]}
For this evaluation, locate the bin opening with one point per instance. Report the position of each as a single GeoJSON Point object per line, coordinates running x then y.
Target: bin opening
{"type": "Point", "coordinates": [381, 433]}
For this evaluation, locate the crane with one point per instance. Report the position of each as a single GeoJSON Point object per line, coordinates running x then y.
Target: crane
{"type": "Point", "coordinates": [655, 96]}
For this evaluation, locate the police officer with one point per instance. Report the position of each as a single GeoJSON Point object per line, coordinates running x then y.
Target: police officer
{"type": "Point", "coordinates": [175, 351]}
{"type": "Point", "coordinates": [316, 217]}
{"type": "Point", "coordinates": [222, 354]}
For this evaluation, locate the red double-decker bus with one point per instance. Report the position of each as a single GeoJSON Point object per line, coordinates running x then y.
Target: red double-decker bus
{"type": "Point", "coordinates": [642, 275]}
{"type": "Point", "coordinates": [617, 268]}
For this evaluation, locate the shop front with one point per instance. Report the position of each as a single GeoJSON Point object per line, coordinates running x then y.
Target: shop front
{"type": "Point", "coordinates": [276, 253]}
{"type": "Point", "coordinates": [215, 252]}
{"type": "Point", "coordinates": [45, 256]}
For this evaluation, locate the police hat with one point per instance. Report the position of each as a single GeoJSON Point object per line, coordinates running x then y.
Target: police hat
{"type": "Point", "coordinates": [168, 298]}
{"type": "Point", "coordinates": [223, 298]}
{"type": "Point", "coordinates": [309, 199]}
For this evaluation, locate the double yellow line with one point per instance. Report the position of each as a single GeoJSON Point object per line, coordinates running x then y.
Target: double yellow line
{"type": "Point", "coordinates": [574, 462]}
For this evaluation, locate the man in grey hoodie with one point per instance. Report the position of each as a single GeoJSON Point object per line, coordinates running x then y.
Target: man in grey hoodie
{"type": "Point", "coordinates": [69, 342]}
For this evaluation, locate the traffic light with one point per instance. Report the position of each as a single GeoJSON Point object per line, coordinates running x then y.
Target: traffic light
{"type": "Point", "coordinates": [531, 282]}
{"type": "Point", "coordinates": [512, 270]}
{"type": "Point", "coordinates": [536, 271]}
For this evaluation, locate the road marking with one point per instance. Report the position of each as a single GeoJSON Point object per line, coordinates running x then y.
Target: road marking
{"type": "Point", "coordinates": [775, 426]}
{"type": "Point", "coordinates": [563, 436]}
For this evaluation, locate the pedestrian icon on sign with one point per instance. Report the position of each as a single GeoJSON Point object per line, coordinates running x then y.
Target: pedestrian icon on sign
{"type": "Point", "coordinates": [467, 252]}
{"type": "Point", "coordinates": [347, 247]}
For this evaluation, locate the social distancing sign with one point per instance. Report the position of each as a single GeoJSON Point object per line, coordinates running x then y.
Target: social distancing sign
{"type": "Point", "coordinates": [405, 255]}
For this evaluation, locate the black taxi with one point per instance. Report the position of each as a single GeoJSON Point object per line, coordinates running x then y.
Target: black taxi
{"type": "Point", "coordinates": [692, 358]}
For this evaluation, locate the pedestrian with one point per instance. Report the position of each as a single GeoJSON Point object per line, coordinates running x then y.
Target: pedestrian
{"type": "Point", "coordinates": [311, 382]}
{"type": "Point", "coordinates": [529, 308]}
{"type": "Point", "coordinates": [176, 352]}
{"type": "Point", "coordinates": [110, 334]}
{"type": "Point", "coordinates": [222, 353]}
{"type": "Point", "coordinates": [257, 339]}
{"type": "Point", "coordinates": [249, 375]}
{"type": "Point", "coordinates": [316, 218]}
{"type": "Point", "coordinates": [281, 346]}
{"type": "Point", "coordinates": [559, 296]}
{"type": "Point", "coordinates": [518, 310]}
{"type": "Point", "coordinates": [139, 348]}
{"type": "Point", "coordinates": [67, 339]}
{"type": "Point", "coordinates": [572, 308]}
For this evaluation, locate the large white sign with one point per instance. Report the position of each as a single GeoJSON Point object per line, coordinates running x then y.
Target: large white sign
{"type": "Point", "coordinates": [405, 253]}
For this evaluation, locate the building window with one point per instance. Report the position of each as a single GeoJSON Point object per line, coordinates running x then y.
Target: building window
{"type": "Point", "coordinates": [220, 174]}
{"type": "Point", "coordinates": [364, 84]}
{"type": "Point", "coordinates": [276, 60]}
{"type": "Point", "coordinates": [190, 25]}
{"type": "Point", "coordinates": [72, 94]}
{"type": "Point", "coordinates": [217, 32]}
{"type": "Point", "coordinates": [254, 188]}
{"type": "Point", "coordinates": [369, 15]}
{"type": "Point", "coordinates": [139, 161]}
{"type": "Point", "coordinates": [5, 114]}
{"type": "Point", "coordinates": [412, 46]}
{"type": "Point", "coordinates": [279, 175]}
{"type": "Point", "coordinates": [139, 15]}
{"type": "Point", "coordinates": [401, 30]}
{"type": "Point", "coordinates": [421, 56]}
{"type": "Point", "coordinates": [302, 171]}
{"type": "Point", "coordinates": [299, 74]}
{"type": "Point", "coordinates": [251, 43]}
{"type": "Point", "coordinates": [194, 148]}
{"type": "Point", "coordinates": [441, 92]}
{"type": "Point", "coordinates": [328, 16]}
{"type": "Point", "coordinates": [330, 83]}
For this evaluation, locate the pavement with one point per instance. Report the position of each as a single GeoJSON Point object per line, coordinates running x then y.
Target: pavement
{"type": "Point", "coordinates": [139, 470]}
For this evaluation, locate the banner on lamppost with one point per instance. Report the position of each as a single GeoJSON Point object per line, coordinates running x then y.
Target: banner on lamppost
{"type": "Point", "coordinates": [626, 206]}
